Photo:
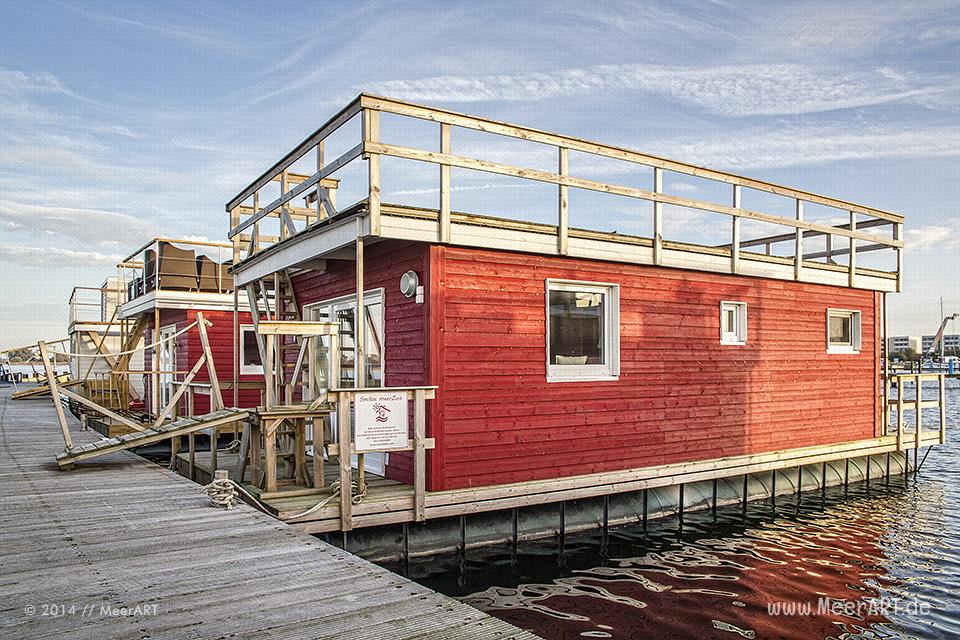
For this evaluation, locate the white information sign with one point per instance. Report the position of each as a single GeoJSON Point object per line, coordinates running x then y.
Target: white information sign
{"type": "Point", "coordinates": [381, 421]}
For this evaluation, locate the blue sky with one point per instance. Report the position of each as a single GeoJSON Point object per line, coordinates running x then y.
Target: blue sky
{"type": "Point", "coordinates": [119, 121]}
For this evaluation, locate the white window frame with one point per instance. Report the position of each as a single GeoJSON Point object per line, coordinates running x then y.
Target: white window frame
{"type": "Point", "coordinates": [610, 370]}
{"type": "Point", "coordinates": [738, 337]}
{"type": "Point", "coordinates": [370, 296]}
{"type": "Point", "coordinates": [248, 369]}
{"type": "Point", "coordinates": [855, 323]}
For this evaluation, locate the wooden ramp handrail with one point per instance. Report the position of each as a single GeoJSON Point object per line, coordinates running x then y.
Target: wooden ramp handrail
{"type": "Point", "coordinates": [918, 404]}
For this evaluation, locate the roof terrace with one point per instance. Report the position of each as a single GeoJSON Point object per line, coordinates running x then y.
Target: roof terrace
{"type": "Point", "coordinates": [418, 173]}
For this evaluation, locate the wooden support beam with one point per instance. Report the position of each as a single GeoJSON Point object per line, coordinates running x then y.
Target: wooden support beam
{"type": "Point", "coordinates": [103, 410]}
{"type": "Point", "coordinates": [55, 394]}
{"type": "Point", "coordinates": [180, 391]}
{"type": "Point", "coordinates": [216, 396]}
{"type": "Point", "coordinates": [297, 328]}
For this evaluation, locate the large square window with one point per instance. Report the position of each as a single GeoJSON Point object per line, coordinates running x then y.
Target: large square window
{"type": "Point", "coordinates": [583, 331]}
{"type": "Point", "coordinates": [843, 331]}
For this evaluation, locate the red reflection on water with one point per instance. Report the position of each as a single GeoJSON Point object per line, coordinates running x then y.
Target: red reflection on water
{"type": "Point", "coordinates": [811, 580]}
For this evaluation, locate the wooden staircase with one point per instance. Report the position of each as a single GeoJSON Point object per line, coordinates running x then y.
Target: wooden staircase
{"type": "Point", "coordinates": [273, 298]}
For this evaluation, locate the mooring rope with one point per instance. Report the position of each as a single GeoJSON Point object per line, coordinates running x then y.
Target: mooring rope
{"type": "Point", "coordinates": [334, 492]}
{"type": "Point", "coordinates": [222, 492]}
{"type": "Point", "coordinates": [125, 353]}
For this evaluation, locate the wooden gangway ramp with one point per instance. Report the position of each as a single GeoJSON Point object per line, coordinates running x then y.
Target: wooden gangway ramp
{"type": "Point", "coordinates": [177, 428]}
{"type": "Point", "coordinates": [120, 535]}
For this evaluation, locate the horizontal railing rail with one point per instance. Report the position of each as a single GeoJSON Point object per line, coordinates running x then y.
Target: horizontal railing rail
{"type": "Point", "coordinates": [246, 212]}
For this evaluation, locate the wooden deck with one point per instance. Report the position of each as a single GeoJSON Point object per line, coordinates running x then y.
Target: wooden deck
{"type": "Point", "coordinates": [122, 532]}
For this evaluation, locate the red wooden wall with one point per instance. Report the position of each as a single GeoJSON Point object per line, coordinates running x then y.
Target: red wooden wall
{"type": "Point", "coordinates": [189, 350]}
{"type": "Point", "coordinates": [681, 396]}
{"type": "Point", "coordinates": [404, 319]}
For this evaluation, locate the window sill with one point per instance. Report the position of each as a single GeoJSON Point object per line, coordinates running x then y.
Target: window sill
{"type": "Point", "coordinates": [596, 378]}
{"type": "Point", "coordinates": [733, 343]}
{"type": "Point", "coordinates": [842, 350]}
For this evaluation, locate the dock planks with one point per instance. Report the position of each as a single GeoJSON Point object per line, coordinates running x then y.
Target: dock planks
{"type": "Point", "coordinates": [121, 532]}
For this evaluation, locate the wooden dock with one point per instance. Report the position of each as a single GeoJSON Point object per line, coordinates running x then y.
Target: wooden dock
{"type": "Point", "coordinates": [124, 548]}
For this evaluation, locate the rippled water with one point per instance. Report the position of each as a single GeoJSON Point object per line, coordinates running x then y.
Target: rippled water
{"type": "Point", "coordinates": [877, 562]}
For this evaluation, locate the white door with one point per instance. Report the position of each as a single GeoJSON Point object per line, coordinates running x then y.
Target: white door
{"type": "Point", "coordinates": [343, 310]}
{"type": "Point", "coordinates": [167, 364]}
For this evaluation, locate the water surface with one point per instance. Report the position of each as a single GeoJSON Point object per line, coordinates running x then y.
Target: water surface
{"type": "Point", "coordinates": [863, 562]}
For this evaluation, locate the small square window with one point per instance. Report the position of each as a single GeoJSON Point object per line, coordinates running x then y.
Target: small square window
{"type": "Point", "coordinates": [843, 331]}
{"type": "Point", "coordinates": [583, 331]}
{"type": "Point", "coordinates": [733, 323]}
{"type": "Point", "coordinates": [249, 351]}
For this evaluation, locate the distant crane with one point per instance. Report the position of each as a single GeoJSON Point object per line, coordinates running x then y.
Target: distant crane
{"type": "Point", "coordinates": [938, 341]}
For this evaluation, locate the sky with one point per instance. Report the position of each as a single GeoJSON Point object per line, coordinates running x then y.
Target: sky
{"type": "Point", "coordinates": [121, 121]}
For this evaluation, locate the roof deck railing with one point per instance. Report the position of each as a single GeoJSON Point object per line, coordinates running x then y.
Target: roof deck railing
{"type": "Point", "coordinates": [170, 264]}
{"type": "Point", "coordinates": [844, 233]}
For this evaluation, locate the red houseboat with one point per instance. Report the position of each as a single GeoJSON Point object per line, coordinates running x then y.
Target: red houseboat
{"type": "Point", "coordinates": [590, 321]}
{"type": "Point", "coordinates": [170, 283]}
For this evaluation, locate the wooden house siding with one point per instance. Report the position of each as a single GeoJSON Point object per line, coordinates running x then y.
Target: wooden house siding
{"type": "Point", "coordinates": [404, 319]}
{"type": "Point", "coordinates": [681, 396]}
{"type": "Point", "coordinates": [189, 349]}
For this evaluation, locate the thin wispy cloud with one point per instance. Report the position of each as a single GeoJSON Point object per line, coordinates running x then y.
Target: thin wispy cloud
{"type": "Point", "coordinates": [92, 227]}
{"type": "Point", "coordinates": [55, 257]}
{"type": "Point", "coordinates": [794, 146]}
{"type": "Point", "coordinates": [945, 235]}
{"type": "Point", "coordinates": [727, 90]}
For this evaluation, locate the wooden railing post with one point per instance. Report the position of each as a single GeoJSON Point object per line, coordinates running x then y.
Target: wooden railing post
{"type": "Point", "coordinates": [419, 455]}
{"type": "Point", "coordinates": [444, 184]}
{"type": "Point", "coordinates": [798, 255]}
{"type": "Point", "coordinates": [943, 409]}
{"type": "Point", "coordinates": [371, 133]}
{"type": "Point", "coordinates": [853, 251]}
{"type": "Point", "coordinates": [657, 217]}
{"type": "Point", "coordinates": [321, 212]}
{"type": "Point", "coordinates": [735, 236]}
{"type": "Point", "coordinates": [899, 413]}
{"type": "Point", "coordinates": [898, 235]}
{"type": "Point", "coordinates": [563, 205]}
{"type": "Point", "coordinates": [919, 411]}
{"type": "Point", "coordinates": [344, 448]}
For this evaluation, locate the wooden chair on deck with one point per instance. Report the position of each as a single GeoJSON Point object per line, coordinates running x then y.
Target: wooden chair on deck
{"type": "Point", "coordinates": [177, 268]}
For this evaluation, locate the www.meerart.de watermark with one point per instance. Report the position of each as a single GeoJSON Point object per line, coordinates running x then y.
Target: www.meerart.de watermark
{"type": "Point", "coordinates": [850, 608]}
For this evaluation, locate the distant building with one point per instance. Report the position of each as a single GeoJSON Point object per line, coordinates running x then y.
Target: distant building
{"type": "Point", "coordinates": [896, 344]}
{"type": "Point", "coordinates": [950, 341]}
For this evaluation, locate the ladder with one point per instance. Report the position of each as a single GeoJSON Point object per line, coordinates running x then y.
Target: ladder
{"type": "Point", "coordinates": [273, 298]}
